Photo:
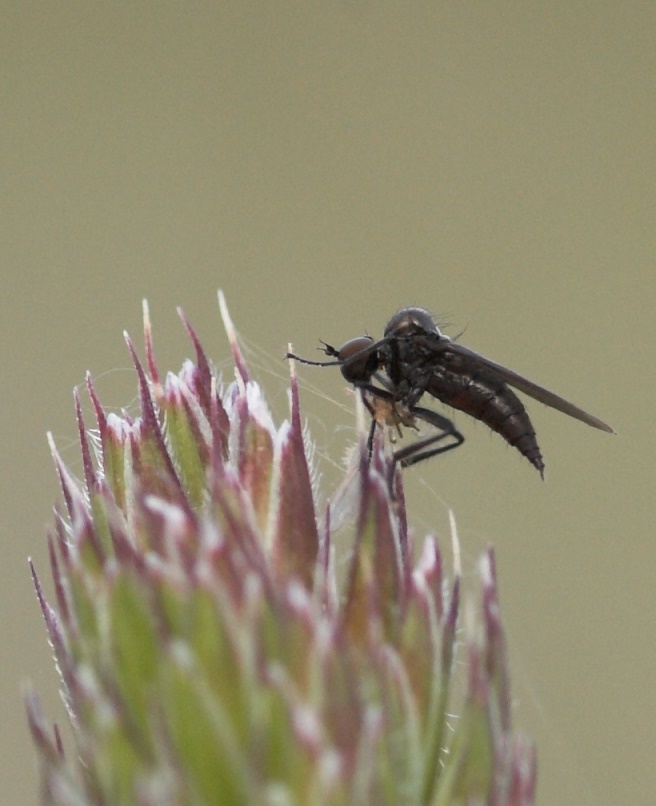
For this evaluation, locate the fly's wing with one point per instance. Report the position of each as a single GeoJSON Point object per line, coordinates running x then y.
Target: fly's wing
{"type": "Point", "coordinates": [524, 385]}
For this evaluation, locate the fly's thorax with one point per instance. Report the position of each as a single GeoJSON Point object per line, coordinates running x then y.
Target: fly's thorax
{"type": "Point", "coordinates": [409, 322]}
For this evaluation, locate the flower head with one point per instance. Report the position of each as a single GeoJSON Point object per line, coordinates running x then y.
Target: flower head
{"type": "Point", "coordinates": [209, 646]}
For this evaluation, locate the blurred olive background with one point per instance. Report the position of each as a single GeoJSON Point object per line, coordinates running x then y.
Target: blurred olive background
{"type": "Point", "coordinates": [325, 164]}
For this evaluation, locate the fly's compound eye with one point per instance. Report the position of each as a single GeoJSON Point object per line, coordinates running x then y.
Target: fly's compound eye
{"type": "Point", "coordinates": [356, 368]}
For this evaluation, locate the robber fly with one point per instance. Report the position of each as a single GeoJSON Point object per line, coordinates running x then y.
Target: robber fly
{"type": "Point", "coordinates": [413, 358]}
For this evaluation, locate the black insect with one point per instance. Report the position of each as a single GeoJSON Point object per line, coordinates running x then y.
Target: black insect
{"type": "Point", "coordinates": [414, 357]}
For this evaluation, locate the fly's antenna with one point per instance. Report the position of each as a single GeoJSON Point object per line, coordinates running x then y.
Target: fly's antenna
{"type": "Point", "coordinates": [328, 349]}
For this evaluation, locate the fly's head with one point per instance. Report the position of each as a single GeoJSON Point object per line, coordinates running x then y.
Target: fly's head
{"type": "Point", "coordinates": [358, 359]}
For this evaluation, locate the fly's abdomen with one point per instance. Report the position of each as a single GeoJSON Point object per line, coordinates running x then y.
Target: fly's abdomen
{"type": "Point", "coordinates": [492, 402]}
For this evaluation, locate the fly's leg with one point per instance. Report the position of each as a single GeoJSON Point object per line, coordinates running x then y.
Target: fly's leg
{"type": "Point", "coordinates": [370, 439]}
{"type": "Point", "coordinates": [385, 410]}
{"type": "Point", "coordinates": [428, 447]}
